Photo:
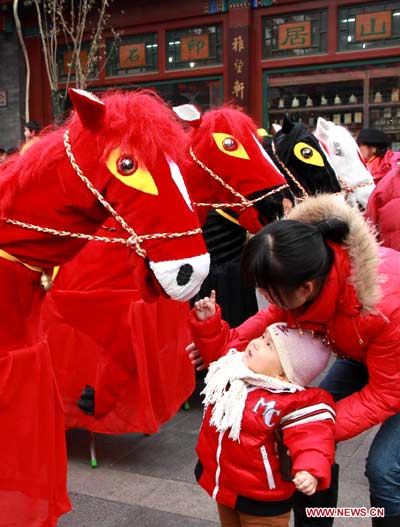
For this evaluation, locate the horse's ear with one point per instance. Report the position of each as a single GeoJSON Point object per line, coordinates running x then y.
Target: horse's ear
{"type": "Point", "coordinates": [90, 108]}
{"type": "Point", "coordinates": [189, 113]}
{"type": "Point", "coordinates": [323, 127]}
{"type": "Point", "coordinates": [287, 124]}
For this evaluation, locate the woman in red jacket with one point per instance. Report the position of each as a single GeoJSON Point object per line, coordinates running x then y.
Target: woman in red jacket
{"type": "Point", "coordinates": [321, 269]}
{"type": "Point", "coordinates": [384, 202]}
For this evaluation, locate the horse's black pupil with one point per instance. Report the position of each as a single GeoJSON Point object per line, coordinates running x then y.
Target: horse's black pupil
{"type": "Point", "coordinates": [306, 152]}
{"type": "Point", "coordinates": [127, 164]}
{"type": "Point", "coordinates": [229, 144]}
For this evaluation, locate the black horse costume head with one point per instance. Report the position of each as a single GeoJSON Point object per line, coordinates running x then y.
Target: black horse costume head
{"type": "Point", "coordinates": [302, 160]}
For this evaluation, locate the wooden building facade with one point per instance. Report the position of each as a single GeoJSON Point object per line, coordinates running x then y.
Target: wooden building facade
{"type": "Point", "coordinates": [336, 58]}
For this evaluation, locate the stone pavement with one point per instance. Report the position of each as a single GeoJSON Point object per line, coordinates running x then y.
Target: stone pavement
{"type": "Point", "coordinates": [148, 481]}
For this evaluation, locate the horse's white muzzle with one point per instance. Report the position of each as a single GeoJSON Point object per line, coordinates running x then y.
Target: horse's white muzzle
{"type": "Point", "coordinates": [182, 279]}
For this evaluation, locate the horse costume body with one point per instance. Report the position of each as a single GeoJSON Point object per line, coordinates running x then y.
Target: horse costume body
{"type": "Point", "coordinates": [136, 362]}
{"type": "Point", "coordinates": [51, 202]}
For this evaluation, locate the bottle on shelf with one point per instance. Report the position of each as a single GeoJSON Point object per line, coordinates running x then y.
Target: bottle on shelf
{"type": "Point", "coordinates": [281, 103]}
{"type": "Point", "coordinates": [309, 101]}
{"type": "Point", "coordinates": [378, 97]}
{"type": "Point", "coordinates": [353, 99]}
{"type": "Point", "coordinates": [337, 100]}
{"type": "Point", "coordinates": [324, 100]}
{"type": "Point", "coordinates": [295, 102]}
{"type": "Point", "coordinates": [395, 97]}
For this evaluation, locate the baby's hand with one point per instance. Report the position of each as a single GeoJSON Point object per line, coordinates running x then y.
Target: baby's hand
{"type": "Point", "coordinates": [305, 482]}
{"type": "Point", "coordinates": [205, 308]}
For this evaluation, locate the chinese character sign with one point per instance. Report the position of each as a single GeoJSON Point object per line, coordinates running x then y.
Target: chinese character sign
{"type": "Point", "coordinates": [239, 65]}
{"type": "Point", "coordinates": [373, 26]}
{"type": "Point", "coordinates": [132, 56]}
{"type": "Point", "coordinates": [238, 44]}
{"type": "Point", "coordinates": [295, 35]}
{"type": "Point", "coordinates": [238, 89]}
{"type": "Point", "coordinates": [194, 47]}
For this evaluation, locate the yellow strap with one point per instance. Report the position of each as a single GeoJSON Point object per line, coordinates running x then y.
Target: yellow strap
{"type": "Point", "coordinates": [262, 132]}
{"type": "Point", "coordinates": [11, 258]}
{"type": "Point", "coordinates": [227, 216]}
{"type": "Point", "coordinates": [55, 272]}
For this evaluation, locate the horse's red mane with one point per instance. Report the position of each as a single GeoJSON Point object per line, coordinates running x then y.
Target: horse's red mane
{"type": "Point", "coordinates": [233, 120]}
{"type": "Point", "coordinates": [135, 118]}
{"type": "Point", "coordinates": [143, 119]}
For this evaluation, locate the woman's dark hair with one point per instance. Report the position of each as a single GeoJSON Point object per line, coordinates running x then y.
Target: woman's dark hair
{"type": "Point", "coordinates": [285, 254]}
{"type": "Point", "coordinates": [381, 151]}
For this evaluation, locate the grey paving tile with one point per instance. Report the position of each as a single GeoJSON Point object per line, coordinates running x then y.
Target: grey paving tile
{"type": "Point", "coordinates": [189, 421]}
{"type": "Point", "coordinates": [168, 454]}
{"type": "Point", "coordinates": [94, 512]}
{"type": "Point", "coordinates": [357, 446]}
{"type": "Point", "coordinates": [150, 518]}
{"type": "Point", "coordinates": [167, 495]}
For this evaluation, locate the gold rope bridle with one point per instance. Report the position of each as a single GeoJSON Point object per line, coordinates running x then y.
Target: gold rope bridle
{"type": "Point", "coordinates": [244, 202]}
{"type": "Point", "coordinates": [134, 241]}
{"type": "Point", "coordinates": [346, 189]}
{"type": "Point", "coordinates": [304, 193]}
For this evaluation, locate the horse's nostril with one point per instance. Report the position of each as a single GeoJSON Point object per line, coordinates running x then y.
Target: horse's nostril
{"type": "Point", "coordinates": [184, 274]}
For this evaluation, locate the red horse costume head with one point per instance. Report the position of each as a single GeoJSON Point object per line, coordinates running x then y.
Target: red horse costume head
{"type": "Point", "coordinates": [228, 163]}
{"type": "Point", "coordinates": [123, 147]}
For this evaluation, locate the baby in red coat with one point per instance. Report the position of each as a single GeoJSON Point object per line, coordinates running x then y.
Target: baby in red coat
{"type": "Point", "coordinates": [250, 396]}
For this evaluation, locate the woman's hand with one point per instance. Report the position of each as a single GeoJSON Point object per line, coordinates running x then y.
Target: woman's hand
{"type": "Point", "coordinates": [195, 357]}
{"type": "Point", "coordinates": [205, 308]}
{"type": "Point", "coordinates": [305, 482]}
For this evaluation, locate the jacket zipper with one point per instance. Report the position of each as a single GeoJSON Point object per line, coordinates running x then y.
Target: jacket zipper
{"type": "Point", "coordinates": [360, 340]}
{"type": "Point", "coordinates": [268, 469]}
{"type": "Point", "coordinates": [218, 471]}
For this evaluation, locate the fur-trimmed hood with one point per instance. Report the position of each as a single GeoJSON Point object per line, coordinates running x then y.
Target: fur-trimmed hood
{"type": "Point", "coordinates": [361, 243]}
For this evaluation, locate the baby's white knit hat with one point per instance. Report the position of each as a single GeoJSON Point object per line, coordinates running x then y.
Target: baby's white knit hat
{"type": "Point", "coordinates": [303, 356]}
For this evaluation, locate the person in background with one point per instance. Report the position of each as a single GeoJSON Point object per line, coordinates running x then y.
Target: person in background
{"type": "Point", "coordinates": [12, 150]}
{"type": "Point", "coordinates": [249, 397]}
{"type": "Point", "coordinates": [383, 208]}
{"type": "Point", "coordinates": [31, 132]}
{"type": "Point", "coordinates": [375, 149]}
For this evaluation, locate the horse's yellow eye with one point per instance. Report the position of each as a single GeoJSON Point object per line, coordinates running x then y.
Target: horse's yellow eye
{"type": "Point", "coordinates": [131, 171]}
{"type": "Point", "coordinates": [308, 154]}
{"type": "Point", "coordinates": [230, 145]}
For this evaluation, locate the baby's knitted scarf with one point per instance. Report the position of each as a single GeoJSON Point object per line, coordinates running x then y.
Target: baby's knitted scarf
{"type": "Point", "coordinates": [227, 383]}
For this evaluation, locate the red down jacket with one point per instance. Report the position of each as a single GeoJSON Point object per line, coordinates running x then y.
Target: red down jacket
{"type": "Point", "coordinates": [358, 310]}
{"type": "Point", "coordinates": [383, 207]}
{"type": "Point", "coordinates": [235, 473]}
